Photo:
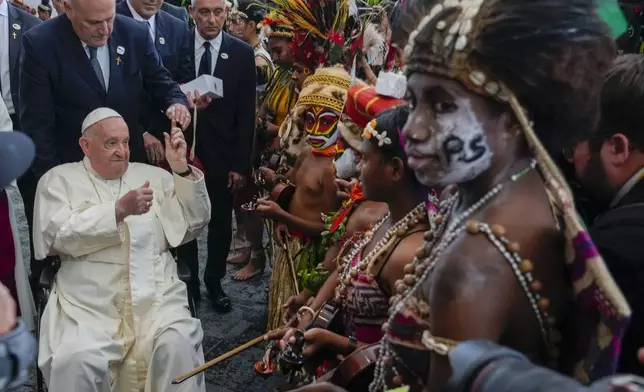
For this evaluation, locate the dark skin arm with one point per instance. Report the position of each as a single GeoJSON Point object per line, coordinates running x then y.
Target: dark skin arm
{"type": "Point", "coordinates": [310, 228]}
{"type": "Point", "coordinates": [473, 271]}
{"type": "Point", "coordinates": [392, 271]}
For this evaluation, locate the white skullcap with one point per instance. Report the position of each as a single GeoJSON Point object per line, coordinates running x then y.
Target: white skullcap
{"type": "Point", "coordinates": [97, 115]}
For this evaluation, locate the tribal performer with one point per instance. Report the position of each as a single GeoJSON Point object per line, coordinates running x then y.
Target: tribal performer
{"type": "Point", "coordinates": [493, 86]}
{"type": "Point", "coordinates": [320, 103]}
{"type": "Point", "coordinates": [356, 214]}
{"type": "Point", "coordinates": [317, 112]}
{"type": "Point", "coordinates": [368, 272]}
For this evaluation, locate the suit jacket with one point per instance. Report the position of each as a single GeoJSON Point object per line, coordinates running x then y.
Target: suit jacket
{"type": "Point", "coordinates": [225, 129]}
{"type": "Point", "coordinates": [25, 21]}
{"type": "Point", "coordinates": [177, 12]}
{"type": "Point", "coordinates": [618, 234]}
{"type": "Point", "coordinates": [58, 87]}
{"type": "Point", "coordinates": [172, 42]}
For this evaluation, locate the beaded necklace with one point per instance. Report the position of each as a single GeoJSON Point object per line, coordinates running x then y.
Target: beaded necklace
{"type": "Point", "coordinates": [398, 229]}
{"type": "Point", "coordinates": [418, 271]}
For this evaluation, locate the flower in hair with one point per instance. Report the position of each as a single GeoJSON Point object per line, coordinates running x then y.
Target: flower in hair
{"type": "Point", "coordinates": [370, 131]}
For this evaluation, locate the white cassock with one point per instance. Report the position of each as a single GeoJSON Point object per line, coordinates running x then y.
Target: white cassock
{"type": "Point", "coordinates": [117, 319]}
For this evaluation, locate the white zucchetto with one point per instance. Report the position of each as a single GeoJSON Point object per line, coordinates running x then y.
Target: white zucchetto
{"type": "Point", "coordinates": [96, 116]}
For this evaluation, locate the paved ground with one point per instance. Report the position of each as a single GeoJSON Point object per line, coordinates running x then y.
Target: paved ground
{"type": "Point", "coordinates": [223, 332]}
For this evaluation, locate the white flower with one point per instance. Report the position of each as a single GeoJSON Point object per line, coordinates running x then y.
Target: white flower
{"type": "Point", "coordinates": [381, 136]}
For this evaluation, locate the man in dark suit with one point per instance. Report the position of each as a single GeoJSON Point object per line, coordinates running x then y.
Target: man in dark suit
{"type": "Point", "coordinates": [225, 130]}
{"type": "Point", "coordinates": [172, 40]}
{"type": "Point", "coordinates": [83, 60]}
{"type": "Point", "coordinates": [14, 22]}
{"type": "Point", "coordinates": [177, 12]}
{"type": "Point", "coordinates": [611, 166]}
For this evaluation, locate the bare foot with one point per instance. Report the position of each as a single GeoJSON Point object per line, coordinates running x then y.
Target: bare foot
{"type": "Point", "coordinates": [239, 258]}
{"type": "Point", "coordinates": [247, 273]}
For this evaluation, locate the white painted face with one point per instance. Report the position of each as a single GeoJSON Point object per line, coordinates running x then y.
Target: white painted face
{"type": "Point", "coordinates": [346, 167]}
{"type": "Point", "coordinates": [456, 150]}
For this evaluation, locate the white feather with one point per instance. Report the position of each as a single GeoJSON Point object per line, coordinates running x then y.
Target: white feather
{"type": "Point", "coordinates": [374, 45]}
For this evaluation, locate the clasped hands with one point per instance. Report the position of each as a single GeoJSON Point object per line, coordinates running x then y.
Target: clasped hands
{"type": "Point", "coordinates": [139, 201]}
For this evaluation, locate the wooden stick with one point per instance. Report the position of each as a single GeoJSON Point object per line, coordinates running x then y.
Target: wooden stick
{"type": "Point", "coordinates": [292, 265]}
{"type": "Point", "coordinates": [220, 358]}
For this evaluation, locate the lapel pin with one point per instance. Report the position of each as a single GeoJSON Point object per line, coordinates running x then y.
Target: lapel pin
{"type": "Point", "coordinates": [120, 50]}
{"type": "Point", "coordinates": [162, 41]}
{"type": "Point", "coordinates": [224, 56]}
{"type": "Point", "coordinates": [16, 26]}
{"type": "Point", "coordinates": [118, 60]}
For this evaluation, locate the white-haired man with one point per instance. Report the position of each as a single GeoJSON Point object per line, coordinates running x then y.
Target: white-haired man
{"type": "Point", "coordinates": [117, 318]}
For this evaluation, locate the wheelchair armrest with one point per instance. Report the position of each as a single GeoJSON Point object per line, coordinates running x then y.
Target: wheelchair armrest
{"type": "Point", "coordinates": [184, 272]}
{"type": "Point", "coordinates": [48, 274]}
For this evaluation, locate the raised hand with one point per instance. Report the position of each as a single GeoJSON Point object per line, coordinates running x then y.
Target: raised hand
{"type": "Point", "coordinates": [135, 202]}
{"type": "Point", "coordinates": [176, 149]}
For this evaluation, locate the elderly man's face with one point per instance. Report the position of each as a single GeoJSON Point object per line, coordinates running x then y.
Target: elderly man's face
{"type": "Point", "coordinates": [92, 20]}
{"type": "Point", "coordinates": [209, 16]}
{"type": "Point", "coordinates": [106, 145]}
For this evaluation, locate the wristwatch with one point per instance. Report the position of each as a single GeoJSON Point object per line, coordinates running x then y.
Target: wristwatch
{"type": "Point", "coordinates": [185, 173]}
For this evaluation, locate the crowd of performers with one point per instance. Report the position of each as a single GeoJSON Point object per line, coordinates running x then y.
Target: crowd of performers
{"type": "Point", "coordinates": [407, 172]}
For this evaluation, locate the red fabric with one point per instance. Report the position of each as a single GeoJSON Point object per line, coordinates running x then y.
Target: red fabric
{"type": "Point", "coordinates": [7, 249]}
{"type": "Point", "coordinates": [364, 104]}
{"type": "Point", "coordinates": [297, 233]}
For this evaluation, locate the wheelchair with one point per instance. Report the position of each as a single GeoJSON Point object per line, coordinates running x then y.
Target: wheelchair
{"type": "Point", "coordinates": [46, 281]}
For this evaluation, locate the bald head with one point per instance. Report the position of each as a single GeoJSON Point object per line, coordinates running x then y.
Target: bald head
{"type": "Point", "coordinates": [92, 20]}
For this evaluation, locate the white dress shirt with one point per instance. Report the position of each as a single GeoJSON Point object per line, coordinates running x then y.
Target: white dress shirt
{"type": "Point", "coordinates": [5, 76]}
{"type": "Point", "coordinates": [215, 45]}
{"type": "Point", "coordinates": [103, 56]}
{"type": "Point", "coordinates": [150, 22]}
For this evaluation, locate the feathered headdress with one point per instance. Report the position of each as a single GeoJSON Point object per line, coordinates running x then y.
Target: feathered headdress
{"type": "Point", "coordinates": [326, 32]}
{"type": "Point", "coordinates": [277, 26]}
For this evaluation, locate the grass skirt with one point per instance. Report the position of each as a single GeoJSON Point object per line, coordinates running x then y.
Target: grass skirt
{"type": "Point", "coordinates": [282, 285]}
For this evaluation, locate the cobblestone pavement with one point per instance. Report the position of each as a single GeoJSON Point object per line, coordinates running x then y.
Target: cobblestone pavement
{"type": "Point", "coordinates": [222, 333]}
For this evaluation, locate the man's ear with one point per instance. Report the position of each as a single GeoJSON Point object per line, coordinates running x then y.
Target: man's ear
{"type": "Point", "coordinates": [620, 149]}
{"type": "Point", "coordinates": [83, 142]}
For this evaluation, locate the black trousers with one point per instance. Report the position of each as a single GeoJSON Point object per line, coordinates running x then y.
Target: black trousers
{"type": "Point", "coordinates": [219, 233]}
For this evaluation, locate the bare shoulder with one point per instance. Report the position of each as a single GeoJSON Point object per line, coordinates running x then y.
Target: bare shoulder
{"type": "Point", "coordinates": [401, 256]}
{"type": "Point", "coordinates": [407, 248]}
{"type": "Point", "coordinates": [367, 213]}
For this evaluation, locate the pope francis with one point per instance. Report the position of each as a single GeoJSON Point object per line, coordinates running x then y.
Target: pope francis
{"type": "Point", "coordinates": [117, 318]}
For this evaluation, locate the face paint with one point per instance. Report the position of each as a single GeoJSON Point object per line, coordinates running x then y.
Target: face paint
{"type": "Point", "coordinates": [457, 150]}
{"type": "Point", "coordinates": [321, 127]}
{"type": "Point", "coordinates": [346, 166]}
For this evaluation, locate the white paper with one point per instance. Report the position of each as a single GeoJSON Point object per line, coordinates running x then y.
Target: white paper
{"type": "Point", "coordinates": [391, 84]}
{"type": "Point", "coordinates": [206, 85]}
